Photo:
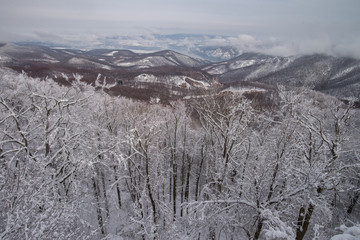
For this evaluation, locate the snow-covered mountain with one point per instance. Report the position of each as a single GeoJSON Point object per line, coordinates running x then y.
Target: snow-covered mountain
{"type": "Point", "coordinates": [163, 75]}
{"type": "Point", "coordinates": [339, 77]}
{"type": "Point", "coordinates": [157, 59]}
{"type": "Point", "coordinates": [215, 53]}
{"type": "Point", "coordinates": [112, 57]}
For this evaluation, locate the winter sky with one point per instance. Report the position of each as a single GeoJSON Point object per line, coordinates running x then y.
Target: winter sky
{"type": "Point", "coordinates": [281, 27]}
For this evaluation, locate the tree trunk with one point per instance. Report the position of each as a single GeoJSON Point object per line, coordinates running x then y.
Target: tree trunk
{"type": "Point", "coordinates": [174, 189]}
{"type": "Point", "coordinates": [353, 202]}
{"type": "Point", "coordinates": [199, 174]}
{"type": "Point", "coordinates": [98, 207]}
{"type": "Point", "coordinates": [187, 187]}
{"type": "Point", "coordinates": [258, 228]}
{"type": "Point", "coordinates": [304, 221]}
{"type": "Point", "coordinates": [148, 185]}
{"type": "Point", "coordinates": [105, 195]}
{"type": "Point", "coordinates": [117, 188]}
{"type": "Point", "coordinates": [182, 183]}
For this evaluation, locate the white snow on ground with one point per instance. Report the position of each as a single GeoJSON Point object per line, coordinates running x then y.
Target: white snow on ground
{"type": "Point", "coordinates": [106, 67]}
{"type": "Point", "coordinates": [218, 53]}
{"type": "Point", "coordinates": [4, 59]}
{"type": "Point", "coordinates": [111, 54]}
{"type": "Point", "coordinates": [198, 96]}
{"type": "Point", "coordinates": [349, 233]}
{"type": "Point", "coordinates": [125, 64]}
{"type": "Point", "coordinates": [269, 67]}
{"type": "Point", "coordinates": [180, 81]}
{"type": "Point", "coordinates": [182, 59]}
{"type": "Point", "coordinates": [265, 66]}
{"type": "Point", "coordinates": [70, 53]}
{"type": "Point", "coordinates": [197, 83]}
{"type": "Point", "coordinates": [176, 80]}
{"type": "Point", "coordinates": [242, 90]}
{"type": "Point", "coordinates": [149, 78]}
{"type": "Point", "coordinates": [48, 58]}
{"type": "Point", "coordinates": [242, 64]}
{"type": "Point", "coordinates": [79, 61]}
{"type": "Point", "coordinates": [276, 234]}
{"type": "Point", "coordinates": [344, 72]}
{"type": "Point", "coordinates": [218, 69]}
{"type": "Point", "coordinates": [82, 61]}
{"type": "Point", "coordinates": [45, 58]}
{"type": "Point", "coordinates": [147, 62]}
{"type": "Point", "coordinates": [169, 59]}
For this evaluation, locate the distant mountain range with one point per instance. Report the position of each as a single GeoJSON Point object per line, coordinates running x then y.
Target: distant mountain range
{"type": "Point", "coordinates": [168, 73]}
{"type": "Point", "coordinates": [209, 47]}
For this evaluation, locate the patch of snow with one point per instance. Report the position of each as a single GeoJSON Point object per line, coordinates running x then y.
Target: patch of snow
{"type": "Point", "coordinates": [197, 83]}
{"type": "Point", "coordinates": [149, 78]}
{"type": "Point", "coordinates": [344, 236]}
{"type": "Point", "coordinates": [243, 90]}
{"type": "Point", "coordinates": [4, 59]}
{"type": "Point", "coordinates": [148, 62]}
{"type": "Point", "coordinates": [221, 53]}
{"type": "Point", "coordinates": [154, 100]}
{"type": "Point", "coordinates": [349, 233]}
{"type": "Point", "coordinates": [110, 54]}
{"type": "Point", "coordinates": [125, 64]}
{"type": "Point", "coordinates": [275, 234]}
{"type": "Point", "coordinates": [77, 61]}
{"type": "Point", "coordinates": [269, 67]}
{"type": "Point", "coordinates": [183, 59]}
{"type": "Point", "coordinates": [179, 81]}
{"type": "Point", "coordinates": [344, 72]}
{"type": "Point", "coordinates": [45, 58]}
{"type": "Point", "coordinates": [105, 67]}
{"type": "Point", "coordinates": [218, 69]}
{"type": "Point", "coordinates": [242, 64]}
{"type": "Point", "coordinates": [82, 61]}
{"type": "Point", "coordinates": [68, 52]}
{"type": "Point", "coordinates": [196, 96]}
{"type": "Point", "coordinates": [141, 67]}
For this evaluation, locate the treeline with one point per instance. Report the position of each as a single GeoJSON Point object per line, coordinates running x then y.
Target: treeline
{"type": "Point", "coordinates": [79, 164]}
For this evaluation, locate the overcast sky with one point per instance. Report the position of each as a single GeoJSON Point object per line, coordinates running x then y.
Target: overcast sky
{"type": "Point", "coordinates": [299, 25]}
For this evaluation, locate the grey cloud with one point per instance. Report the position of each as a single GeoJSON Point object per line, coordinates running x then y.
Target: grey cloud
{"type": "Point", "coordinates": [270, 26]}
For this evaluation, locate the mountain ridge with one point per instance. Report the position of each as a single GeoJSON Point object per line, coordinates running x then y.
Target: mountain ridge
{"type": "Point", "coordinates": [339, 77]}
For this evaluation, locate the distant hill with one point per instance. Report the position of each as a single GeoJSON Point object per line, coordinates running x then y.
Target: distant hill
{"type": "Point", "coordinates": [339, 77]}
{"type": "Point", "coordinates": [183, 75]}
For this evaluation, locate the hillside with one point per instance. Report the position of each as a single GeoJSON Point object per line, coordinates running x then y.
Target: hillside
{"type": "Point", "coordinates": [338, 77]}
{"type": "Point", "coordinates": [171, 75]}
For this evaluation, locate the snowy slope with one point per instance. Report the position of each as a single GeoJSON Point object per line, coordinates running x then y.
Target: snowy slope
{"type": "Point", "coordinates": [12, 52]}
{"type": "Point", "coordinates": [339, 77]}
{"type": "Point", "coordinates": [157, 59]}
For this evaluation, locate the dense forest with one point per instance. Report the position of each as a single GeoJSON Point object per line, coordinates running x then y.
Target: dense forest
{"type": "Point", "coordinates": [77, 163]}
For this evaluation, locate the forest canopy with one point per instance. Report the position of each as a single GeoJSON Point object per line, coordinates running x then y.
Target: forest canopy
{"type": "Point", "coordinates": [77, 163]}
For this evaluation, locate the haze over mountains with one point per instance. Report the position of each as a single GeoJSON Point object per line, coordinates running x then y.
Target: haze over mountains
{"type": "Point", "coordinates": [336, 76]}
